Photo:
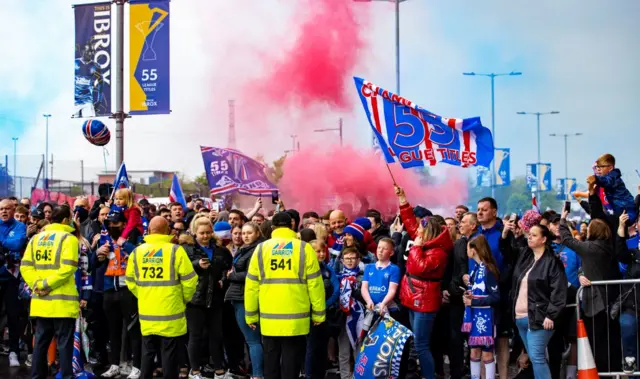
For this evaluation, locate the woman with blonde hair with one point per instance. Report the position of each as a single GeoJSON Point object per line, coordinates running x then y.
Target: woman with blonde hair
{"type": "Point", "coordinates": [210, 262]}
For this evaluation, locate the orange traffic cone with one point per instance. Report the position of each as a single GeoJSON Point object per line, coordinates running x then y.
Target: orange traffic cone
{"type": "Point", "coordinates": [586, 365]}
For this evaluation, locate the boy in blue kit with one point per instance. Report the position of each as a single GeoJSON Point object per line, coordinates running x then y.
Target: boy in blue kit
{"type": "Point", "coordinates": [608, 177]}
{"type": "Point", "coordinates": [381, 279]}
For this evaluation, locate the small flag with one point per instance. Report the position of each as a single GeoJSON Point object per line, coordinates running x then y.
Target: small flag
{"type": "Point", "coordinates": [534, 202]}
{"type": "Point", "coordinates": [121, 180]}
{"type": "Point", "coordinates": [175, 193]}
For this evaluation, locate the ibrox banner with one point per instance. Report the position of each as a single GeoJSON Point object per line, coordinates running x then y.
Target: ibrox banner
{"type": "Point", "coordinates": [149, 57]}
{"type": "Point", "coordinates": [229, 171]}
{"type": "Point", "coordinates": [502, 176]}
{"type": "Point", "coordinates": [381, 351]}
{"type": "Point", "coordinates": [416, 137]}
{"type": "Point", "coordinates": [565, 187]}
{"type": "Point", "coordinates": [539, 174]}
{"type": "Point", "coordinates": [92, 93]}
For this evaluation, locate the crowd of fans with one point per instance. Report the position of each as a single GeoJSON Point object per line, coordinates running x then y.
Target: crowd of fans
{"type": "Point", "coordinates": [480, 290]}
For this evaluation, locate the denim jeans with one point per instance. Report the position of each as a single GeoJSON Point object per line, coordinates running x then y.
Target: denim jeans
{"type": "Point", "coordinates": [422, 325]}
{"type": "Point", "coordinates": [629, 330]}
{"type": "Point", "coordinates": [253, 339]}
{"type": "Point", "coordinates": [317, 345]}
{"type": "Point", "coordinates": [535, 341]}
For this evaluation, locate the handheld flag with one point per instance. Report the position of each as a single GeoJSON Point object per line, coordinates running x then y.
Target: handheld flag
{"type": "Point", "coordinates": [416, 137]}
{"type": "Point", "coordinates": [534, 202]}
{"type": "Point", "coordinates": [175, 193]}
{"type": "Point", "coordinates": [121, 180]}
{"type": "Point", "coordinates": [229, 170]}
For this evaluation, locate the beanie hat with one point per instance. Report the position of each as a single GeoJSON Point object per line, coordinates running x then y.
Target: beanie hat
{"type": "Point", "coordinates": [281, 220]}
{"type": "Point", "coordinates": [421, 212]}
{"type": "Point", "coordinates": [358, 228]}
{"type": "Point", "coordinates": [530, 219]}
{"type": "Point", "coordinates": [222, 230]}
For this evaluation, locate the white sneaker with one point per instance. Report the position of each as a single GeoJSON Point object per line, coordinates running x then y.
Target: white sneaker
{"type": "Point", "coordinates": [135, 373]}
{"type": "Point", "coordinates": [220, 376]}
{"type": "Point", "coordinates": [28, 361]}
{"type": "Point", "coordinates": [195, 376]}
{"type": "Point", "coordinates": [112, 372]}
{"type": "Point", "coordinates": [125, 368]}
{"type": "Point", "coordinates": [13, 360]}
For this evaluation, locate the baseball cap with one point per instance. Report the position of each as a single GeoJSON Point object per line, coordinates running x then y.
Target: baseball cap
{"type": "Point", "coordinates": [281, 219]}
{"type": "Point", "coordinates": [115, 216]}
{"type": "Point", "coordinates": [38, 214]}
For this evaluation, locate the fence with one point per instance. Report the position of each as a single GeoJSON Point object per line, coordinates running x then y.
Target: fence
{"type": "Point", "coordinates": [620, 294]}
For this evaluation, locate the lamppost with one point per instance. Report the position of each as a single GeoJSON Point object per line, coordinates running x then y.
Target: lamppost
{"type": "Point", "coordinates": [493, 76]}
{"type": "Point", "coordinates": [538, 114]}
{"type": "Point", "coordinates": [397, 3]}
{"type": "Point", "coordinates": [566, 156]}
{"type": "Point", "coordinates": [293, 141]}
{"type": "Point", "coordinates": [15, 154]}
{"type": "Point", "coordinates": [339, 129]}
{"type": "Point", "coordinates": [46, 152]}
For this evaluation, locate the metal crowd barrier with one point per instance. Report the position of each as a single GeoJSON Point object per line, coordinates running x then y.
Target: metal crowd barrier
{"type": "Point", "coordinates": [609, 304]}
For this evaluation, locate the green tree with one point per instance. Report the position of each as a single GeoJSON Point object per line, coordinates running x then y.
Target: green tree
{"type": "Point", "coordinates": [518, 203]}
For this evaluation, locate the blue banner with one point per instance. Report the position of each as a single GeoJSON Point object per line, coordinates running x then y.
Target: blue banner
{"type": "Point", "coordinates": [416, 137]}
{"type": "Point", "coordinates": [92, 60]}
{"type": "Point", "coordinates": [483, 177]}
{"type": "Point", "coordinates": [149, 57]}
{"type": "Point", "coordinates": [503, 167]}
{"type": "Point", "coordinates": [381, 351]}
{"type": "Point", "coordinates": [539, 175]}
{"type": "Point", "coordinates": [565, 187]}
{"type": "Point", "coordinates": [229, 171]}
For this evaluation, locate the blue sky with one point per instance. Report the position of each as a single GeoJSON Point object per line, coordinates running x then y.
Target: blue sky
{"type": "Point", "coordinates": [578, 57]}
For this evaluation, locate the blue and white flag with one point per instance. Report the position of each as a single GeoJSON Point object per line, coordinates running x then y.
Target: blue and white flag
{"type": "Point", "coordinates": [416, 137]}
{"type": "Point", "coordinates": [175, 193]}
{"type": "Point", "coordinates": [121, 180]}
{"type": "Point", "coordinates": [381, 352]}
{"type": "Point", "coordinates": [229, 170]}
{"type": "Point", "coordinates": [539, 177]}
{"type": "Point", "coordinates": [502, 176]}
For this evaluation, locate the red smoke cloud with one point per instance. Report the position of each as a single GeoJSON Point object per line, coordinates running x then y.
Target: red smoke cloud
{"type": "Point", "coordinates": [322, 180]}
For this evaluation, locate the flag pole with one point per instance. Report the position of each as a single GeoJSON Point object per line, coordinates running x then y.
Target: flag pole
{"type": "Point", "coordinates": [392, 178]}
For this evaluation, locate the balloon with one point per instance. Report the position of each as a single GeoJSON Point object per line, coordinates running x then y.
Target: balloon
{"type": "Point", "coordinates": [96, 132]}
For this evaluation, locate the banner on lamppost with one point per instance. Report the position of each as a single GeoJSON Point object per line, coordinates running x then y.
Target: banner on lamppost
{"type": "Point", "coordinates": [149, 91]}
{"type": "Point", "coordinates": [483, 178]}
{"type": "Point", "coordinates": [92, 60]}
{"type": "Point", "coordinates": [565, 187]}
{"type": "Point", "coordinates": [539, 177]}
{"type": "Point", "coordinates": [502, 159]}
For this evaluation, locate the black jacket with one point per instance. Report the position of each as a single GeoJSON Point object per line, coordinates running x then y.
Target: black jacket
{"type": "Point", "coordinates": [458, 265]}
{"type": "Point", "coordinates": [380, 232]}
{"type": "Point", "coordinates": [546, 286]}
{"type": "Point", "coordinates": [208, 291]}
{"type": "Point", "coordinates": [239, 273]}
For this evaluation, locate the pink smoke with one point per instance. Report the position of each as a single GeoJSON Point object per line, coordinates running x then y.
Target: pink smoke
{"type": "Point", "coordinates": [322, 180]}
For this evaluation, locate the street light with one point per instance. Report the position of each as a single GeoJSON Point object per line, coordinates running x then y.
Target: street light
{"type": "Point", "coordinates": [339, 129]}
{"type": "Point", "coordinates": [566, 159]}
{"type": "Point", "coordinates": [397, 3]}
{"type": "Point", "coordinates": [493, 115]}
{"type": "Point", "coordinates": [538, 114]}
{"type": "Point", "coordinates": [15, 149]}
{"type": "Point", "coordinates": [46, 153]}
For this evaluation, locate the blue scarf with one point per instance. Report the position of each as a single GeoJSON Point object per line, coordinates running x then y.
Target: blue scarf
{"type": "Point", "coordinates": [351, 306]}
{"type": "Point", "coordinates": [478, 321]}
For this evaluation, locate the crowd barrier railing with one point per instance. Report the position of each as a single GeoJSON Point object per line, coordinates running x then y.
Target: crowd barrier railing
{"type": "Point", "coordinates": [610, 303]}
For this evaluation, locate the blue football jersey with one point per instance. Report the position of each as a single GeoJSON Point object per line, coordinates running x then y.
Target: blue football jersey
{"type": "Point", "coordinates": [88, 82]}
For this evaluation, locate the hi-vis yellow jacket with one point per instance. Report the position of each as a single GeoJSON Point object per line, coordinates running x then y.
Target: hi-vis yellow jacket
{"type": "Point", "coordinates": [161, 276]}
{"type": "Point", "coordinates": [50, 263]}
{"type": "Point", "coordinates": [284, 286]}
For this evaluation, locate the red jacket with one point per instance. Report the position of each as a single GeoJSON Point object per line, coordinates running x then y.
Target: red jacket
{"type": "Point", "coordinates": [134, 221]}
{"type": "Point", "coordinates": [420, 288]}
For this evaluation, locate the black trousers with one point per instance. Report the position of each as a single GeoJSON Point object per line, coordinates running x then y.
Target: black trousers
{"type": "Point", "coordinates": [317, 347]}
{"type": "Point", "coordinates": [121, 308]}
{"type": "Point", "coordinates": [46, 329]}
{"type": "Point", "coordinates": [234, 342]}
{"type": "Point", "coordinates": [455, 338]}
{"type": "Point", "coordinates": [168, 348]}
{"type": "Point", "coordinates": [283, 356]}
{"type": "Point", "coordinates": [13, 307]}
{"type": "Point", "coordinates": [98, 324]}
{"type": "Point", "coordinates": [198, 319]}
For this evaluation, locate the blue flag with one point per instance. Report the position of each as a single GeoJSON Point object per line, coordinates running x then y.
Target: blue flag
{"type": "Point", "coordinates": [175, 193]}
{"type": "Point", "coordinates": [229, 170]}
{"type": "Point", "coordinates": [122, 178]}
{"type": "Point", "coordinates": [381, 352]}
{"type": "Point", "coordinates": [416, 137]}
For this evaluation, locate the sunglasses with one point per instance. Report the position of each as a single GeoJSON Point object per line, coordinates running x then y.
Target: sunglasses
{"type": "Point", "coordinates": [425, 221]}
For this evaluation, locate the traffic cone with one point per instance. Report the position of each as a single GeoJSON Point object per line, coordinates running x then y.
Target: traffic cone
{"type": "Point", "coordinates": [586, 365]}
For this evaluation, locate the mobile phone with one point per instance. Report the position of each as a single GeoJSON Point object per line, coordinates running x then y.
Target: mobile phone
{"type": "Point", "coordinates": [275, 198]}
{"type": "Point", "coordinates": [513, 217]}
{"type": "Point", "coordinates": [567, 206]}
{"type": "Point", "coordinates": [206, 260]}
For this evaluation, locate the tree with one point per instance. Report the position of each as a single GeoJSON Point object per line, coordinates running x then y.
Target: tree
{"type": "Point", "coordinates": [275, 172]}
{"type": "Point", "coordinates": [201, 179]}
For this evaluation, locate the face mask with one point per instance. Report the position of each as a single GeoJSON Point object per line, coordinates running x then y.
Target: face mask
{"type": "Point", "coordinates": [114, 231]}
{"type": "Point", "coordinates": [82, 213]}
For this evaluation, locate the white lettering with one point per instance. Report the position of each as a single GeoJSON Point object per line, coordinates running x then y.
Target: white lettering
{"type": "Point", "coordinates": [102, 40]}
{"type": "Point", "coordinates": [103, 25]}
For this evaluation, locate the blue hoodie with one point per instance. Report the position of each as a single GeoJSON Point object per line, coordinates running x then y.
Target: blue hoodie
{"type": "Point", "coordinates": [617, 193]}
{"type": "Point", "coordinates": [493, 236]}
{"type": "Point", "coordinates": [330, 275]}
{"type": "Point", "coordinates": [571, 262]}
{"type": "Point", "coordinates": [13, 238]}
